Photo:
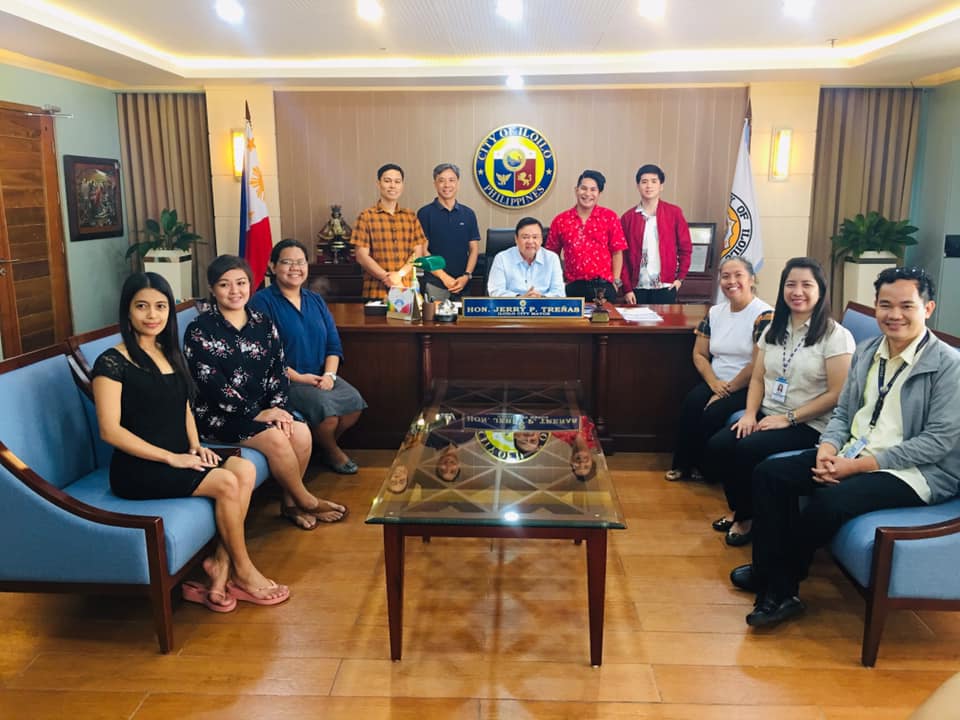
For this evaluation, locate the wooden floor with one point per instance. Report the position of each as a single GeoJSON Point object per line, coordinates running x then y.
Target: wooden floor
{"type": "Point", "coordinates": [493, 630]}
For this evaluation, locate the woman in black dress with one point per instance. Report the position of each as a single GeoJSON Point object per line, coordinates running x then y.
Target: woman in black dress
{"type": "Point", "coordinates": [142, 391]}
{"type": "Point", "coordinates": [237, 361]}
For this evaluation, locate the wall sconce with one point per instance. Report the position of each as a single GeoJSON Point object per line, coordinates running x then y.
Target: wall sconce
{"type": "Point", "coordinates": [238, 143]}
{"type": "Point", "coordinates": [780, 143]}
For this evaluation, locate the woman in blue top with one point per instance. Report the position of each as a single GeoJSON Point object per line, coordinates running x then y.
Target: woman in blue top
{"type": "Point", "coordinates": [313, 353]}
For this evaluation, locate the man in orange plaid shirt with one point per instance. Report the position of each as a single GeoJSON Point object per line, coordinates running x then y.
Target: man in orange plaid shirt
{"type": "Point", "coordinates": [387, 237]}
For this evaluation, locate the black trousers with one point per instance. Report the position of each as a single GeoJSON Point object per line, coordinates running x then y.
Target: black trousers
{"type": "Point", "coordinates": [660, 296]}
{"type": "Point", "coordinates": [786, 537]}
{"type": "Point", "coordinates": [587, 289]}
{"type": "Point", "coordinates": [698, 423]}
{"type": "Point", "coordinates": [732, 461]}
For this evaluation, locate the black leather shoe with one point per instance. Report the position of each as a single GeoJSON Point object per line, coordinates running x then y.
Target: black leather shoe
{"type": "Point", "coordinates": [769, 612]}
{"type": "Point", "coordinates": [722, 524]}
{"type": "Point", "coordinates": [735, 539]}
{"type": "Point", "coordinates": [742, 579]}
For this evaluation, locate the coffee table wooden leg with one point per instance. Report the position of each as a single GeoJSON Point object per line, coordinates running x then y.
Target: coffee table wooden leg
{"type": "Point", "coordinates": [393, 560]}
{"type": "Point", "coordinates": [596, 590]}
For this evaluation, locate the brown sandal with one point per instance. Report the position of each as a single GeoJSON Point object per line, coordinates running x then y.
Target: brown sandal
{"type": "Point", "coordinates": [298, 517]}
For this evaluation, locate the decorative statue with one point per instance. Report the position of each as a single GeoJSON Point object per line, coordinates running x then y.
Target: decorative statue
{"type": "Point", "coordinates": [335, 236]}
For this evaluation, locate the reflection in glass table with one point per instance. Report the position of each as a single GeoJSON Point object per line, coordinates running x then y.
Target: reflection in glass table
{"type": "Point", "coordinates": [499, 460]}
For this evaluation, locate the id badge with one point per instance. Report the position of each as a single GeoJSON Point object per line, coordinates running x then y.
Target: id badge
{"type": "Point", "coordinates": [855, 449]}
{"type": "Point", "coordinates": [779, 393]}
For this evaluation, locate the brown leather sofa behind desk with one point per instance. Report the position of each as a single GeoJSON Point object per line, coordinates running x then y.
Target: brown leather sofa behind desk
{"type": "Point", "coordinates": [633, 376]}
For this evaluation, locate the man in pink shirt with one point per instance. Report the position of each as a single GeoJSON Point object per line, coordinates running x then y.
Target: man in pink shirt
{"type": "Point", "coordinates": [658, 244]}
{"type": "Point", "coordinates": [591, 241]}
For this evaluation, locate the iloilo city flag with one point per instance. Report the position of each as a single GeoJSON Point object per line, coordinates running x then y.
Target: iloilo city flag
{"type": "Point", "coordinates": [743, 216]}
{"type": "Point", "coordinates": [255, 240]}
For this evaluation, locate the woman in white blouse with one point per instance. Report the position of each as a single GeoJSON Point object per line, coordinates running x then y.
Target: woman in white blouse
{"type": "Point", "coordinates": [802, 361]}
{"type": "Point", "coordinates": [723, 355]}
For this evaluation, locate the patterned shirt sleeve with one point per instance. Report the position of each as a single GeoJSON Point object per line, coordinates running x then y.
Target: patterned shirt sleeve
{"type": "Point", "coordinates": [110, 365]}
{"type": "Point", "coordinates": [760, 324]}
{"type": "Point", "coordinates": [704, 327]}
{"type": "Point", "coordinates": [278, 385]}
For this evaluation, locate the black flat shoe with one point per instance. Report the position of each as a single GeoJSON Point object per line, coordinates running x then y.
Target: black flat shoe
{"type": "Point", "coordinates": [769, 612]}
{"type": "Point", "coordinates": [742, 579]}
{"type": "Point", "coordinates": [722, 524]}
{"type": "Point", "coordinates": [735, 539]}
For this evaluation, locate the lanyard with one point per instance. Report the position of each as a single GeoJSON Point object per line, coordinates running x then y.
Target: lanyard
{"type": "Point", "coordinates": [785, 361]}
{"type": "Point", "coordinates": [884, 390]}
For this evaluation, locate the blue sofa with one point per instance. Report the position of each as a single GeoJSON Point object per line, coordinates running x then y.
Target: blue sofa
{"type": "Point", "coordinates": [61, 528]}
{"type": "Point", "coordinates": [902, 558]}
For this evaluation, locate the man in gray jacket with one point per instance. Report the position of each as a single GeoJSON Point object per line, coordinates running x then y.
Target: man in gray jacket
{"type": "Point", "coordinates": [893, 441]}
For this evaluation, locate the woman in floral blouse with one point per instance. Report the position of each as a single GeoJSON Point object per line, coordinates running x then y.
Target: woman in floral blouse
{"type": "Point", "coordinates": [236, 359]}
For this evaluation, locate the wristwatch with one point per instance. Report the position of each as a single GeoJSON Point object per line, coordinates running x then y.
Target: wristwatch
{"type": "Point", "coordinates": [469, 275]}
{"type": "Point", "coordinates": [792, 418]}
{"type": "Point", "coordinates": [618, 283]}
{"type": "Point", "coordinates": [331, 375]}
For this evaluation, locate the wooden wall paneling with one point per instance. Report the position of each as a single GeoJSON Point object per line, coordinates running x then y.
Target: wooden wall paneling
{"type": "Point", "coordinates": [688, 131]}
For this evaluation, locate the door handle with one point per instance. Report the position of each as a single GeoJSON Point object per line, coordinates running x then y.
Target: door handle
{"type": "Point", "coordinates": [3, 270]}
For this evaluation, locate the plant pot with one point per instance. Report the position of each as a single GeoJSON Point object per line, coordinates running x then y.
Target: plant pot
{"type": "Point", "coordinates": [860, 272]}
{"type": "Point", "coordinates": [176, 267]}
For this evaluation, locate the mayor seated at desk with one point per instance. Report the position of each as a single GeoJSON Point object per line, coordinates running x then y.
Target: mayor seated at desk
{"type": "Point", "coordinates": [527, 270]}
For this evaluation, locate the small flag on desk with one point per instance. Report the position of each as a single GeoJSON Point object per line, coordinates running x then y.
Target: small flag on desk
{"type": "Point", "coordinates": [255, 239]}
{"type": "Point", "coordinates": [743, 215]}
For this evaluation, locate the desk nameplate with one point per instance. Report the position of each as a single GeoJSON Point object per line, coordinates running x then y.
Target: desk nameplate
{"type": "Point", "coordinates": [521, 308]}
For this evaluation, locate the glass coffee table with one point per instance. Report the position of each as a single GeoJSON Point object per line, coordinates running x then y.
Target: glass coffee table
{"type": "Point", "coordinates": [499, 460]}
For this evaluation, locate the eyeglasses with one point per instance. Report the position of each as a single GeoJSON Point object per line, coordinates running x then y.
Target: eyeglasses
{"type": "Point", "coordinates": [292, 263]}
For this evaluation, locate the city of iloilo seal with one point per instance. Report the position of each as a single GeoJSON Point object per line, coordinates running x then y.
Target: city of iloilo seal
{"type": "Point", "coordinates": [514, 166]}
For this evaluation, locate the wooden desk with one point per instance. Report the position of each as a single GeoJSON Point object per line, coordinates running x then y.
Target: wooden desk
{"type": "Point", "coordinates": [633, 376]}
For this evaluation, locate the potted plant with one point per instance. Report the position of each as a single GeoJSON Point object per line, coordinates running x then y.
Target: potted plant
{"type": "Point", "coordinates": [869, 244]}
{"type": "Point", "coordinates": [167, 251]}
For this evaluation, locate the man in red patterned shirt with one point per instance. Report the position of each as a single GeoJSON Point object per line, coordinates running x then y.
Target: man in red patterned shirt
{"type": "Point", "coordinates": [591, 240]}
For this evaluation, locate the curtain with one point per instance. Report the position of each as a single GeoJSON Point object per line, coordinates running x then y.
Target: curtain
{"type": "Point", "coordinates": [865, 157]}
{"type": "Point", "coordinates": [164, 144]}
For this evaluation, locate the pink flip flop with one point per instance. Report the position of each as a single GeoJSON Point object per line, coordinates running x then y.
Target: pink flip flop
{"type": "Point", "coordinates": [195, 592]}
{"type": "Point", "coordinates": [239, 593]}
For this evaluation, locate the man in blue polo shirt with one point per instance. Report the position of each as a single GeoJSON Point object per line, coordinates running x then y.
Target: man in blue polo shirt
{"type": "Point", "coordinates": [452, 233]}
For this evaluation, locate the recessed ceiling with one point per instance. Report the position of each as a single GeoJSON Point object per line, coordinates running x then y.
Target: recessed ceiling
{"type": "Point", "coordinates": [464, 42]}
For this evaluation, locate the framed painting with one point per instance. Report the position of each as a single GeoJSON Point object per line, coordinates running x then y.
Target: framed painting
{"type": "Point", "coordinates": [701, 236]}
{"type": "Point", "coordinates": [93, 197]}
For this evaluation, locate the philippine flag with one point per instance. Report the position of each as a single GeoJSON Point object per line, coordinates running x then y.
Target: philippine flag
{"type": "Point", "coordinates": [255, 240]}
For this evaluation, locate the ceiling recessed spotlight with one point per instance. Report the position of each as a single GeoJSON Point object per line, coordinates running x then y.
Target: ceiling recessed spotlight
{"type": "Point", "coordinates": [798, 9]}
{"type": "Point", "coordinates": [369, 10]}
{"type": "Point", "coordinates": [230, 11]}
{"type": "Point", "coordinates": [514, 81]}
{"type": "Point", "coordinates": [511, 10]}
{"type": "Point", "coordinates": [652, 9]}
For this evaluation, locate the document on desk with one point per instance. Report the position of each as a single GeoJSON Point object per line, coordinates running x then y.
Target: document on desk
{"type": "Point", "coordinates": [639, 314]}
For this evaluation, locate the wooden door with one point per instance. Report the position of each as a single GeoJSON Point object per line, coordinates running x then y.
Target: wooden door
{"type": "Point", "coordinates": [34, 294]}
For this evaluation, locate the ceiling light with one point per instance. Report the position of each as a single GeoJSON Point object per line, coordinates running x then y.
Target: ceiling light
{"type": "Point", "coordinates": [511, 10]}
{"type": "Point", "coordinates": [229, 11]}
{"type": "Point", "coordinates": [514, 81]}
{"type": "Point", "coordinates": [798, 9]}
{"type": "Point", "coordinates": [652, 9]}
{"type": "Point", "coordinates": [369, 10]}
